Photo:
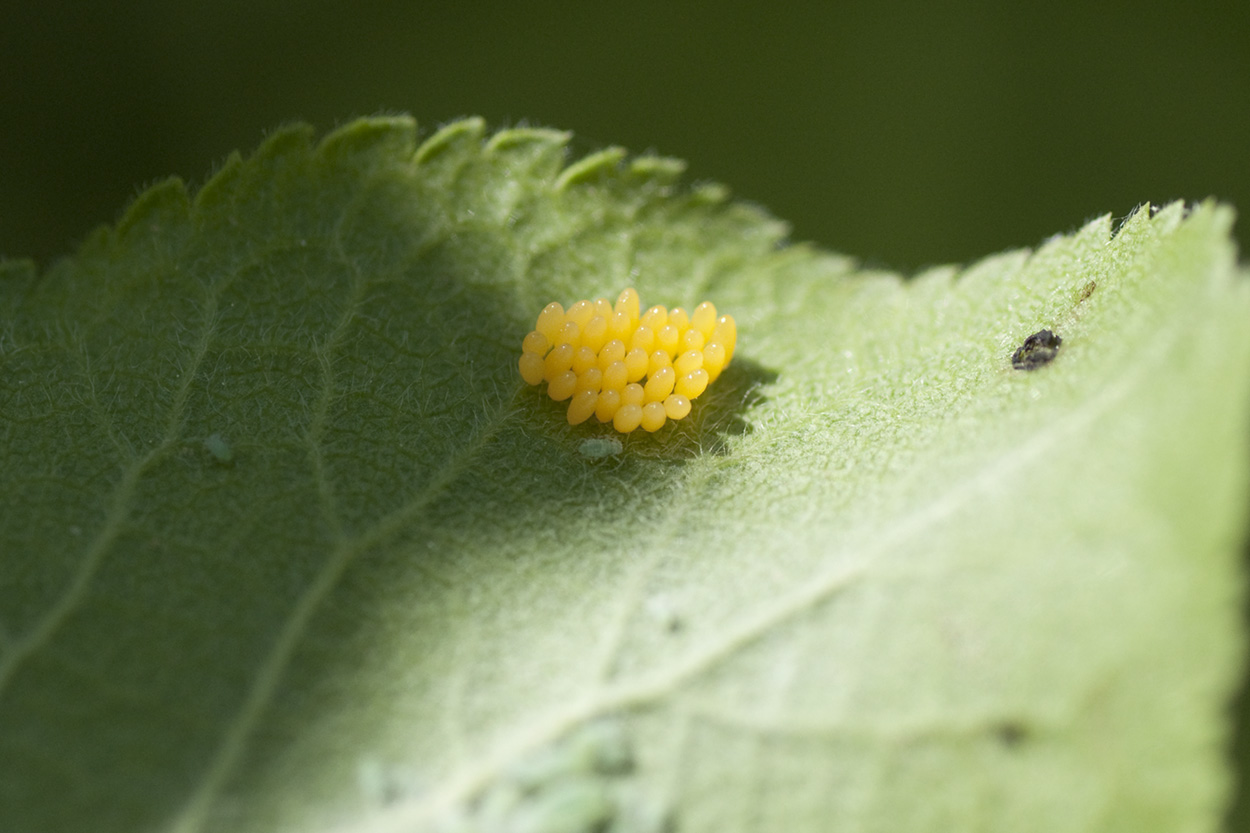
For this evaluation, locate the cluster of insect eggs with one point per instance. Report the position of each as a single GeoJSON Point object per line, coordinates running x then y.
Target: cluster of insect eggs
{"type": "Point", "coordinates": [621, 365]}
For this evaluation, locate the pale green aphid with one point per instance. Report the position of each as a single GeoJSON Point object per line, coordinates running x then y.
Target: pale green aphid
{"type": "Point", "coordinates": [219, 447]}
{"type": "Point", "coordinates": [596, 448]}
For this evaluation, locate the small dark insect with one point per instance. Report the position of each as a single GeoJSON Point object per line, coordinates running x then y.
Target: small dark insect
{"type": "Point", "coordinates": [1037, 350]}
{"type": "Point", "coordinates": [1011, 733]}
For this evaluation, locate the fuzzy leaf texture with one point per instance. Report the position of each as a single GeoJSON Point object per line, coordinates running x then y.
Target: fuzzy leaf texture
{"type": "Point", "coordinates": [287, 545]}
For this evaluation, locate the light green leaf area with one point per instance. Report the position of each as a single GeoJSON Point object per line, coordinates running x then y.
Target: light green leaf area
{"type": "Point", "coordinates": [288, 545]}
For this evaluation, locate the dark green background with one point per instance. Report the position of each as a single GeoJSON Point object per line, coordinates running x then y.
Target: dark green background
{"type": "Point", "coordinates": [905, 133]}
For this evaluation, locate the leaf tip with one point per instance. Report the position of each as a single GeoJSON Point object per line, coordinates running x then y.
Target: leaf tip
{"type": "Point", "coordinates": [663, 169]}
{"type": "Point", "coordinates": [292, 137]}
{"type": "Point", "coordinates": [524, 136]}
{"type": "Point", "coordinates": [596, 166]}
{"type": "Point", "coordinates": [366, 134]}
{"type": "Point", "coordinates": [450, 136]}
{"type": "Point", "coordinates": [162, 204]}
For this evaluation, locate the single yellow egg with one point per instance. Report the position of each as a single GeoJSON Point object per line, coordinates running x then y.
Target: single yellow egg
{"type": "Point", "coordinates": [607, 406]}
{"type": "Point", "coordinates": [581, 313]}
{"type": "Point", "coordinates": [668, 339]}
{"type": "Point", "coordinates": [532, 368]}
{"type": "Point", "coordinates": [653, 417]}
{"type": "Point", "coordinates": [550, 320]}
{"type": "Point", "coordinates": [633, 394]}
{"type": "Point", "coordinates": [688, 362]}
{"type": "Point", "coordinates": [628, 418]}
{"type": "Point", "coordinates": [629, 303]}
{"type": "Point", "coordinates": [536, 342]}
{"type": "Point", "coordinates": [570, 333]}
{"type": "Point", "coordinates": [703, 318]}
{"type": "Point", "coordinates": [615, 376]}
{"type": "Point", "coordinates": [636, 364]}
{"type": "Point", "coordinates": [584, 359]}
{"type": "Point", "coordinates": [620, 327]}
{"type": "Point", "coordinates": [677, 406]}
{"type": "Point", "coordinates": [654, 318]}
{"type": "Point", "coordinates": [657, 360]}
{"type": "Point", "coordinates": [590, 380]}
{"type": "Point", "coordinates": [726, 332]}
{"type": "Point", "coordinates": [692, 384]}
{"type": "Point", "coordinates": [613, 351]}
{"type": "Point", "coordinates": [582, 406]}
{"type": "Point", "coordinates": [642, 338]}
{"type": "Point", "coordinates": [562, 386]}
{"type": "Point", "coordinates": [713, 359]}
{"type": "Point", "coordinates": [596, 332]}
{"type": "Point", "coordinates": [660, 384]}
{"type": "Point", "coordinates": [678, 318]}
{"type": "Point", "coordinates": [558, 360]}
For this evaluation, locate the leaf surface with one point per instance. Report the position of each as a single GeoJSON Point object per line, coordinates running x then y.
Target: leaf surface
{"type": "Point", "coordinates": [288, 545]}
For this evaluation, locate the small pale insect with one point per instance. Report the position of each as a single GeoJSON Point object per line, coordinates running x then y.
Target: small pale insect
{"type": "Point", "coordinates": [596, 448]}
{"type": "Point", "coordinates": [624, 367]}
{"type": "Point", "coordinates": [219, 447]}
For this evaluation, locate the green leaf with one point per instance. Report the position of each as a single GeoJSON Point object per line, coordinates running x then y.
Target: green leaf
{"type": "Point", "coordinates": [288, 545]}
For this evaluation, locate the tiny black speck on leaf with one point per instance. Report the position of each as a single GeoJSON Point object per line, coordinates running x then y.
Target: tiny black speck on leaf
{"type": "Point", "coordinates": [1037, 350]}
{"type": "Point", "coordinates": [1011, 734]}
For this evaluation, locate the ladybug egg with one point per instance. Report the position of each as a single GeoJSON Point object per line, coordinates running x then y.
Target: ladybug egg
{"type": "Point", "coordinates": [607, 406]}
{"type": "Point", "coordinates": [629, 303]}
{"type": "Point", "coordinates": [692, 339]}
{"type": "Point", "coordinates": [676, 406]}
{"type": "Point", "coordinates": [633, 394]}
{"type": "Point", "coordinates": [692, 384]}
{"type": "Point", "coordinates": [678, 318]}
{"type": "Point", "coordinates": [636, 363]}
{"type": "Point", "coordinates": [703, 318]}
{"type": "Point", "coordinates": [660, 384]}
{"type": "Point", "coordinates": [596, 332]}
{"type": "Point", "coordinates": [688, 362]}
{"type": "Point", "coordinates": [653, 417]}
{"type": "Point", "coordinates": [550, 320]}
{"type": "Point", "coordinates": [581, 313]}
{"type": "Point", "coordinates": [668, 339]}
{"type": "Point", "coordinates": [654, 318]}
{"type": "Point", "coordinates": [582, 406]}
{"type": "Point", "coordinates": [532, 366]}
{"type": "Point", "coordinates": [558, 361]}
{"type": "Point", "coordinates": [562, 387]}
{"type": "Point", "coordinates": [628, 418]}
{"type": "Point", "coordinates": [536, 342]}
{"type": "Point", "coordinates": [620, 327]}
{"type": "Point", "coordinates": [713, 359]}
{"type": "Point", "coordinates": [633, 370]}
{"type": "Point", "coordinates": [613, 351]}
{"type": "Point", "coordinates": [615, 376]}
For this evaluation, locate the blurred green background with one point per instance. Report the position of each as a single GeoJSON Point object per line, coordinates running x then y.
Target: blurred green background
{"type": "Point", "coordinates": [905, 133]}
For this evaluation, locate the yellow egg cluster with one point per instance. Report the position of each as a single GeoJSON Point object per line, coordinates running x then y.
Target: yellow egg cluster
{"type": "Point", "coordinates": [619, 364]}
